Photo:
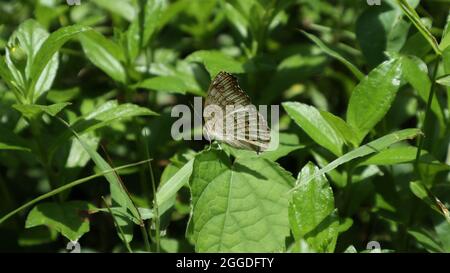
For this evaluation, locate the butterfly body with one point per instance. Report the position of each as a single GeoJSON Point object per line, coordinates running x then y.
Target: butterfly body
{"type": "Point", "coordinates": [230, 117]}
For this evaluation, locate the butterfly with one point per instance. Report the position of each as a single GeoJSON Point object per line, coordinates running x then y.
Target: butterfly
{"type": "Point", "coordinates": [227, 104]}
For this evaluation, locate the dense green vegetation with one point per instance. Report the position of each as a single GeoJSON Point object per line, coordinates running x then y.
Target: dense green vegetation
{"type": "Point", "coordinates": [86, 152]}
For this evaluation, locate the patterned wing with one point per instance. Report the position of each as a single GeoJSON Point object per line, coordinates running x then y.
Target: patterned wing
{"type": "Point", "coordinates": [225, 93]}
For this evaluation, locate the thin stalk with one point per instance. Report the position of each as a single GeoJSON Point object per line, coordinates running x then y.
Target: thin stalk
{"type": "Point", "coordinates": [155, 201]}
{"type": "Point", "coordinates": [427, 115]}
{"type": "Point", "coordinates": [127, 244]}
{"type": "Point", "coordinates": [66, 187]}
{"type": "Point", "coordinates": [145, 236]}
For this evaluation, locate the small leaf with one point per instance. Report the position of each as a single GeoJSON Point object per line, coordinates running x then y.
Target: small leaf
{"type": "Point", "coordinates": [216, 61]}
{"type": "Point", "coordinates": [170, 84]}
{"type": "Point", "coordinates": [312, 122]}
{"type": "Point", "coordinates": [312, 214]}
{"type": "Point", "coordinates": [372, 97]}
{"type": "Point", "coordinates": [50, 47]}
{"type": "Point", "coordinates": [415, 19]}
{"type": "Point", "coordinates": [69, 218]}
{"type": "Point", "coordinates": [104, 54]}
{"type": "Point", "coordinates": [444, 80]}
{"type": "Point", "coordinates": [369, 148]}
{"type": "Point", "coordinates": [32, 110]}
{"type": "Point", "coordinates": [392, 156]}
{"type": "Point", "coordinates": [123, 8]}
{"type": "Point", "coordinates": [335, 55]}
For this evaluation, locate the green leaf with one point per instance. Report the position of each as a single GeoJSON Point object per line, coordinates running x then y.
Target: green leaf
{"type": "Point", "coordinates": [287, 143]}
{"type": "Point", "coordinates": [426, 196]}
{"type": "Point", "coordinates": [153, 12]}
{"type": "Point", "coordinates": [392, 156]}
{"type": "Point", "coordinates": [358, 74]}
{"type": "Point", "coordinates": [372, 97]}
{"type": "Point", "coordinates": [108, 113]}
{"type": "Point", "coordinates": [169, 189]}
{"type": "Point", "coordinates": [415, 72]}
{"type": "Point", "coordinates": [379, 30]}
{"type": "Point", "coordinates": [444, 80]}
{"type": "Point", "coordinates": [69, 218]}
{"type": "Point", "coordinates": [31, 35]}
{"type": "Point", "coordinates": [415, 19]}
{"type": "Point", "coordinates": [119, 193]}
{"type": "Point", "coordinates": [237, 19]}
{"type": "Point", "coordinates": [11, 141]}
{"type": "Point", "coordinates": [104, 54]}
{"type": "Point", "coordinates": [240, 206]}
{"type": "Point", "coordinates": [341, 127]}
{"type": "Point", "coordinates": [425, 240]}
{"type": "Point", "coordinates": [312, 122]}
{"type": "Point", "coordinates": [170, 84]}
{"type": "Point", "coordinates": [216, 61]}
{"type": "Point", "coordinates": [123, 8]}
{"type": "Point", "coordinates": [32, 110]}
{"type": "Point", "coordinates": [367, 149]}
{"type": "Point", "coordinates": [49, 48]}
{"type": "Point", "coordinates": [312, 214]}
{"type": "Point", "coordinates": [37, 236]}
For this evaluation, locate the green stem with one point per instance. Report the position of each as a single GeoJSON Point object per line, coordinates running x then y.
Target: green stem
{"type": "Point", "coordinates": [427, 115]}
{"type": "Point", "coordinates": [66, 187]}
{"type": "Point", "coordinates": [155, 201]}
{"type": "Point", "coordinates": [127, 244]}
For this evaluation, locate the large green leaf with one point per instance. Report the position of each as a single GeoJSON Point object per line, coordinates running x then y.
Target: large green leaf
{"type": "Point", "coordinates": [104, 54]}
{"type": "Point", "coordinates": [240, 206]}
{"type": "Point", "coordinates": [372, 98]}
{"type": "Point", "coordinates": [71, 218]}
{"type": "Point", "coordinates": [312, 214]}
{"type": "Point", "coordinates": [315, 125]}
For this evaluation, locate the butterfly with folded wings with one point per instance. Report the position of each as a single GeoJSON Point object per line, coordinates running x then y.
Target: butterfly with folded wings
{"type": "Point", "coordinates": [231, 118]}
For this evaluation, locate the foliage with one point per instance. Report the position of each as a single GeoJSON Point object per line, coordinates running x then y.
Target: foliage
{"type": "Point", "coordinates": [86, 94]}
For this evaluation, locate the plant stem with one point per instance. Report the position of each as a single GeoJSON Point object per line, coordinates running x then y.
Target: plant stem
{"type": "Point", "coordinates": [155, 201]}
{"type": "Point", "coordinates": [127, 244]}
{"type": "Point", "coordinates": [427, 115]}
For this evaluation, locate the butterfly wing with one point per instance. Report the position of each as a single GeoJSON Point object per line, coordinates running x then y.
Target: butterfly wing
{"type": "Point", "coordinates": [225, 91]}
